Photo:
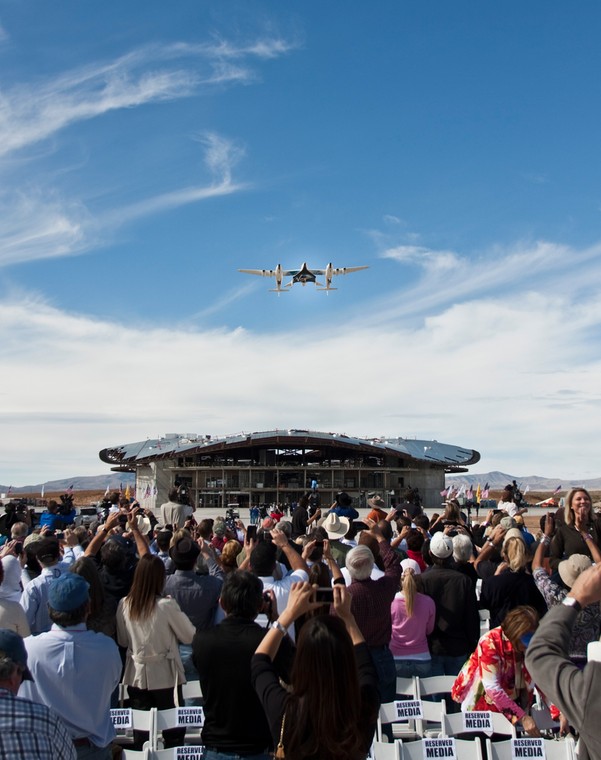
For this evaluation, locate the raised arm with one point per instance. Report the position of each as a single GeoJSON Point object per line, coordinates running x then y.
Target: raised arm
{"type": "Point", "coordinates": [280, 539]}
{"type": "Point", "coordinates": [102, 534]}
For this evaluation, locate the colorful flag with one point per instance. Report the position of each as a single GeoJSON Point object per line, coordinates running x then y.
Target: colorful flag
{"type": "Point", "coordinates": [485, 491]}
{"type": "Point", "coordinates": [557, 490]}
{"type": "Point", "coordinates": [470, 493]}
{"type": "Point", "coordinates": [127, 492]}
{"type": "Point", "coordinates": [478, 494]}
{"type": "Point", "coordinates": [444, 493]}
{"type": "Point", "coordinates": [42, 491]}
{"type": "Point", "coordinates": [70, 489]}
{"type": "Point", "coordinates": [460, 492]}
{"type": "Point", "coordinates": [106, 493]}
{"type": "Point", "coordinates": [10, 490]}
{"type": "Point", "coordinates": [147, 491]}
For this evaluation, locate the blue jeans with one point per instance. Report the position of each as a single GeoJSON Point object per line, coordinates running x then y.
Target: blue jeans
{"type": "Point", "coordinates": [410, 668]}
{"type": "Point", "coordinates": [447, 665]}
{"type": "Point", "coordinates": [212, 754]}
{"type": "Point", "coordinates": [384, 664]}
{"type": "Point", "coordinates": [185, 652]}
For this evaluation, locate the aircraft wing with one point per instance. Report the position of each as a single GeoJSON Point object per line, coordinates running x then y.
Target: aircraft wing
{"type": "Point", "coordinates": [270, 272]}
{"type": "Point", "coordinates": [347, 270]}
{"type": "Point", "coordinates": [260, 272]}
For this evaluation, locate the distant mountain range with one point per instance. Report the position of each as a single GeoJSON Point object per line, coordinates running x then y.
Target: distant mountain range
{"type": "Point", "coordinates": [498, 480]}
{"type": "Point", "coordinates": [91, 483]}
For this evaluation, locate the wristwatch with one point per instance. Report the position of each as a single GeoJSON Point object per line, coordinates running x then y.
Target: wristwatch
{"type": "Point", "coordinates": [569, 601]}
{"type": "Point", "coordinates": [276, 625]}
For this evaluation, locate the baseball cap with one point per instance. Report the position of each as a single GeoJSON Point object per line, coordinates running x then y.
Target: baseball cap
{"type": "Point", "coordinates": [12, 646]}
{"type": "Point", "coordinates": [68, 592]}
{"type": "Point", "coordinates": [441, 546]}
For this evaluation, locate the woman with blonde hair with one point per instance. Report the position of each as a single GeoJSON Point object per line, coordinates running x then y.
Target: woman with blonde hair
{"type": "Point", "coordinates": [413, 615]}
{"type": "Point", "coordinates": [151, 626]}
{"type": "Point", "coordinates": [580, 530]}
{"type": "Point", "coordinates": [511, 585]}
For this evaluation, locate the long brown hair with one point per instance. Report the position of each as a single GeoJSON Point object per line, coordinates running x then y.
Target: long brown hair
{"type": "Point", "coordinates": [570, 517]}
{"type": "Point", "coordinates": [324, 710]}
{"type": "Point", "coordinates": [149, 579]}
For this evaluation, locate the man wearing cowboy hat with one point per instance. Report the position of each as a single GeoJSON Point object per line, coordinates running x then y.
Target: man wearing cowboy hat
{"type": "Point", "coordinates": [336, 527]}
{"type": "Point", "coordinates": [377, 504]}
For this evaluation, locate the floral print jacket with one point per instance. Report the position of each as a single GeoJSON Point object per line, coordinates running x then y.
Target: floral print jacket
{"type": "Point", "coordinates": [492, 680]}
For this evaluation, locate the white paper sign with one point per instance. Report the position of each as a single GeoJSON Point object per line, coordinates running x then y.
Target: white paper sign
{"type": "Point", "coordinates": [188, 753]}
{"type": "Point", "coordinates": [478, 721]}
{"type": "Point", "coordinates": [409, 708]}
{"type": "Point", "coordinates": [122, 718]}
{"type": "Point", "coordinates": [434, 748]}
{"type": "Point", "coordinates": [527, 748]}
{"type": "Point", "coordinates": [190, 716]}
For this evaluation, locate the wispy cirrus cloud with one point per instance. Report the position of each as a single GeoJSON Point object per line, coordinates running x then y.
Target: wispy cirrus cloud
{"type": "Point", "coordinates": [220, 157]}
{"type": "Point", "coordinates": [32, 112]}
{"type": "Point", "coordinates": [41, 223]}
{"type": "Point", "coordinates": [426, 257]}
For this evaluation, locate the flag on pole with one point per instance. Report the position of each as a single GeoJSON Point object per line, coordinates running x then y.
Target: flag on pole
{"type": "Point", "coordinates": [42, 491]}
{"type": "Point", "coordinates": [10, 490]}
{"type": "Point", "coordinates": [461, 491]}
{"type": "Point", "coordinates": [444, 493]}
{"type": "Point", "coordinates": [155, 490]}
{"type": "Point", "coordinates": [147, 491]}
{"type": "Point", "coordinates": [127, 491]}
{"type": "Point", "coordinates": [557, 490]}
{"type": "Point", "coordinates": [526, 490]}
{"type": "Point", "coordinates": [470, 493]}
{"type": "Point", "coordinates": [70, 489]}
{"type": "Point", "coordinates": [478, 494]}
{"type": "Point", "coordinates": [485, 491]}
{"type": "Point", "coordinates": [106, 493]}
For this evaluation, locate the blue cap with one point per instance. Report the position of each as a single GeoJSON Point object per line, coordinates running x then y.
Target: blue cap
{"type": "Point", "coordinates": [12, 647]}
{"type": "Point", "coordinates": [68, 592]}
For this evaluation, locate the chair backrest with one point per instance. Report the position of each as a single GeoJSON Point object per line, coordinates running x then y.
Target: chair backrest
{"type": "Point", "coordinates": [134, 754]}
{"type": "Point", "coordinates": [192, 690]}
{"type": "Point", "coordinates": [385, 751]}
{"type": "Point", "coordinates": [406, 687]}
{"type": "Point", "coordinates": [125, 720]}
{"type": "Point", "coordinates": [465, 749]}
{"type": "Point", "coordinates": [426, 687]}
{"type": "Point", "coordinates": [407, 726]}
{"type": "Point", "coordinates": [453, 725]}
{"type": "Point", "coordinates": [553, 750]}
{"type": "Point", "coordinates": [190, 718]}
{"type": "Point", "coordinates": [187, 752]}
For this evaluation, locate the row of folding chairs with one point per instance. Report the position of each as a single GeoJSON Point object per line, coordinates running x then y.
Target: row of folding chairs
{"type": "Point", "coordinates": [154, 722]}
{"type": "Point", "coordinates": [419, 688]}
{"type": "Point", "coordinates": [470, 749]}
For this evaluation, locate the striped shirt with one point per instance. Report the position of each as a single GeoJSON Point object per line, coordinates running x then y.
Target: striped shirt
{"type": "Point", "coordinates": [30, 731]}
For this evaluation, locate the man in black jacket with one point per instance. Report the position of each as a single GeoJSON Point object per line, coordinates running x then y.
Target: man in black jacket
{"type": "Point", "coordinates": [235, 723]}
{"type": "Point", "coordinates": [457, 624]}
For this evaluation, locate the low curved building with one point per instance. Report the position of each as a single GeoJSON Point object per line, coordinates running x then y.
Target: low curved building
{"type": "Point", "coordinates": [251, 469]}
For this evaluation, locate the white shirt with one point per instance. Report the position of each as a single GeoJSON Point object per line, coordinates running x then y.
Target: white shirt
{"type": "Point", "coordinates": [281, 591]}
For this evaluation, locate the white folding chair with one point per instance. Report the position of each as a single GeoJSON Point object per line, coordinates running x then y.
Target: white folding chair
{"type": "Point", "coordinates": [484, 621]}
{"type": "Point", "coordinates": [141, 720]}
{"type": "Point", "coordinates": [192, 690]}
{"type": "Point", "coordinates": [564, 749]}
{"type": "Point", "coordinates": [406, 687]}
{"type": "Point", "coordinates": [191, 753]}
{"type": "Point", "coordinates": [410, 728]}
{"type": "Point", "coordinates": [165, 719]}
{"type": "Point", "coordinates": [433, 685]}
{"type": "Point", "coordinates": [465, 749]}
{"type": "Point", "coordinates": [385, 751]}
{"type": "Point", "coordinates": [453, 725]}
{"type": "Point", "coordinates": [134, 754]}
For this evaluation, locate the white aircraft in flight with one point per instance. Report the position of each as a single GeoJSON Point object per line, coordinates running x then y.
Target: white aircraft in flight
{"type": "Point", "coordinates": [302, 275]}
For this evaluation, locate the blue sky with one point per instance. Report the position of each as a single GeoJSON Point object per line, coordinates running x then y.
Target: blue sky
{"type": "Point", "coordinates": [148, 151]}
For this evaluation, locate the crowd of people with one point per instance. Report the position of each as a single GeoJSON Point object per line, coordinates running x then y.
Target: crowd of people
{"type": "Point", "coordinates": [296, 629]}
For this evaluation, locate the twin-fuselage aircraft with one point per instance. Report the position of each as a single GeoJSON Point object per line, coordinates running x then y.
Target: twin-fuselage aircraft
{"type": "Point", "coordinates": [302, 275]}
